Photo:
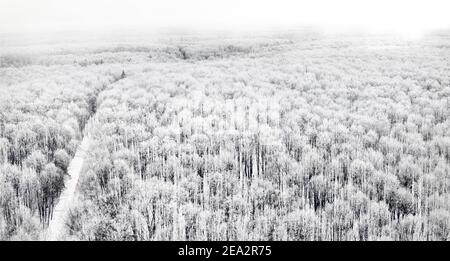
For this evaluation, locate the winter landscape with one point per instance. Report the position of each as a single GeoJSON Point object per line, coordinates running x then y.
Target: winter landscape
{"type": "Point", "coordinates": [292, 136]}
{"type": "Point", "coordinates": [200, 120]}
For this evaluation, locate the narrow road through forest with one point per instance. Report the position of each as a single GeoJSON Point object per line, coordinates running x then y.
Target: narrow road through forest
{"type": "Point", "coordinates": [56, 227]}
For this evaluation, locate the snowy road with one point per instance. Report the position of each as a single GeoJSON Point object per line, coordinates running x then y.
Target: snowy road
{"type": "Point", "coordinates": [55, 230]}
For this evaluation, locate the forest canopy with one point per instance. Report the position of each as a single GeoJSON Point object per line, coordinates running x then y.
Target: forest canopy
{"type": "Point", "coordinates": [298, 137]}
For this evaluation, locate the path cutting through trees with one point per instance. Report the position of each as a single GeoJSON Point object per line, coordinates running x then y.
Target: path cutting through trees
{"type": "Point", "coordinates": [55, 230]}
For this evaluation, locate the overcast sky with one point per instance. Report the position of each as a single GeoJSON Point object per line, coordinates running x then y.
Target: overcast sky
{"type": "Point", "coordinates": [406, 16]}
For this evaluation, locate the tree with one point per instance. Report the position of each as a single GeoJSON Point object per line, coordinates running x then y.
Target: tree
{"type": "Point", "coordinates": [36, 161]}
{"type": "Point", "coordinates": [52, 182]}
{"type": "Point", "coordinates": [62, 160]}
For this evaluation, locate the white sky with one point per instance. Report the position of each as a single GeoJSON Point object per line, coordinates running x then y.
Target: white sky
{"type": "Point", "coordinates": [404, 16]}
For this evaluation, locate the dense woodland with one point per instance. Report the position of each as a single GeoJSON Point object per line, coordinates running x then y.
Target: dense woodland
{"type": "Point", "coordinates": [277, 138]}
{"type": "Point", "coordinates": [43, 112]}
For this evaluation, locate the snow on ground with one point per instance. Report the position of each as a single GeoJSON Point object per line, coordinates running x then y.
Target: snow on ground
{"type": "Point", "coordinates": [56, 227]}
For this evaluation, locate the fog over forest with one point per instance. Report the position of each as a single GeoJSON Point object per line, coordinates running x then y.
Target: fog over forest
{"type": "Point", "coordinates": [296, 135]}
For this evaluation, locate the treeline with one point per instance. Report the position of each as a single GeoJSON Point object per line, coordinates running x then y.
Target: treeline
{"type": "Point", "coordinates": [296, 146]}
{"type": "Point", "coordinates": [42, 117]}
{"type": "Point", "coordinates": [156, 50]}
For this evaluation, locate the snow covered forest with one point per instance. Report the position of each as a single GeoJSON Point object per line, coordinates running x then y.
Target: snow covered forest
{"type": "Point", "coordinates": [293, 136]}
